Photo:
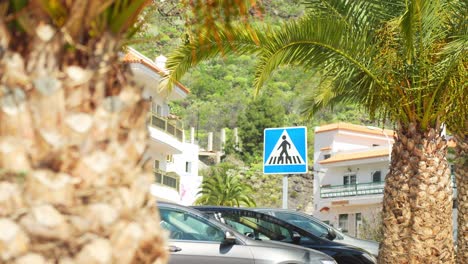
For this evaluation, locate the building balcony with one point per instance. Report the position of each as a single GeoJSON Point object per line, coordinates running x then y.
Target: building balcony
{"type": "Point", "coordinates": [167, 135]}
{"type": "Point", "coordinates": [167, 186]}
{"type": "Point", "coordinates": [167, 179]}
{"type": "Point", "coordinates": [172, 127]}
{"type": "Point", "coordinates": [358, 189]}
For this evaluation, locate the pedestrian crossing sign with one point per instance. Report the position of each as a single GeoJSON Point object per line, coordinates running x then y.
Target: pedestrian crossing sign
{"type": "Point", "coordinates": [285, 150]}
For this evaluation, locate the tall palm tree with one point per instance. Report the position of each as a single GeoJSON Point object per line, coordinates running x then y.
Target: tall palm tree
{"type": "Point", "coordinates": [403, 61]}
{"type": "Point", "coordinates": [73, 185]}
{"type": "Point", "coordinates": [223, 187]}
{"type": "Point", "coordinates": [66, 112]}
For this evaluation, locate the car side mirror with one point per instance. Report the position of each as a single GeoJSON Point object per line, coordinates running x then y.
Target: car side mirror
{"type": "Point", "coordinates": [249, 235]}
{"type": "Point", "coordinates": [331, 234]}
{"type": "Point", "coordinates": [296, 238]}
{"type": "Point", "coordinates": [229, 238]}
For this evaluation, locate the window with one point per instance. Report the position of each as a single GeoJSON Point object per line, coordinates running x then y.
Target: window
{"type": "Point", "coordinates": [169, 158]}
{"type": "Point", "coordinates": [263, 228]}
{"type": "Point", "coordinates": [377, 176]}
{"type": "Point", "coordinates": [156, 164]}
{"type": "Point", "coordinates": [375, 145]}
{"type": "Point", "coordinates": [349, 179]}
{"type": "Point", "coordinates": [326, 156]}
{"type": "Point", "coordinates": [358, 224]}
{"type": "Point", "coordinates": [188, 167]}
{"type": "Point", "coordinates": [156, 108]}
{"type": "Point", "coordinates": [303, 222]}
{"type": "Point", "coordinates": [184, 226]}
{"type": "Point", "coordinates": [343, 222]}
{"type": "Point", "coordinates": [170, 181]}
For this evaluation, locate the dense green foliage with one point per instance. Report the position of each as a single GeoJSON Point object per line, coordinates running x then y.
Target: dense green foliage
{"type": "Point", "coordinates": [264, 112]}
{"type": "Point", "coordinates": [221, 89]}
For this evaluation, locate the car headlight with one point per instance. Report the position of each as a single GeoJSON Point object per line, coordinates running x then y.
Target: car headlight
{"type": "Point", "coordinates": [370, 257]}
{"type": "Point", "coordinates": [327, 261]}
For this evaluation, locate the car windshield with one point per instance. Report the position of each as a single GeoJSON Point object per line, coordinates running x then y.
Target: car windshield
{"type": "Point", "coordinates": [303, 222]}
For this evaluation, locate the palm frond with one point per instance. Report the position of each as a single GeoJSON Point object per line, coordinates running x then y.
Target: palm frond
{"type": "Point", "coordinates": [235, 40]}
{"type": "Point", "coordinates": [313, 42]}
{"type": "Point", "coordinates": [357, 13]}
{"type": "Point", "coordinates": [420, 26]}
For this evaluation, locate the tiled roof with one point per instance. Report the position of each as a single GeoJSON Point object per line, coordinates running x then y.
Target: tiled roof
{"type": "Point", "coordinates": [354, 128]}
{"type": "Point", "coordinates": [374, 153]}
{"type": "Point", "coordinates": [132, 57]}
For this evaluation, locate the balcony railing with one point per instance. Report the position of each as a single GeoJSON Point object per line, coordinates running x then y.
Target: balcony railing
{"type": "Point", "coordinates": [358, 189]}
{"type": "Point", "coordinates": [172, 127]}
{"type": "Point", "coordinates": [169, 179]}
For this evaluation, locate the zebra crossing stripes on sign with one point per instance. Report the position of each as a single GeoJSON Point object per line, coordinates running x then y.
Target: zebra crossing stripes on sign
{"type": "Point", "coordinates": [285, 150]}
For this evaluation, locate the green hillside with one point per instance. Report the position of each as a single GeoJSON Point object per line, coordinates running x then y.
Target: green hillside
{"type": "Point", "coordinates": [222, 95]}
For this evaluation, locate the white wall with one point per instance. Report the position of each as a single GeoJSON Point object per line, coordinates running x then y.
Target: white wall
{"type": "Point", "coordinates": [190, 181]}
{"type": "Point", "coordinates": [347, 142]}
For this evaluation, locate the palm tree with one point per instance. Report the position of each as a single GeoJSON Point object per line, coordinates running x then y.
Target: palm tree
{"type": "Point", "coordinates": [73, 135]}
{"type": "Point", "coordinates": [221, 186]}
{"type": "Point", "coordinates": [69, 196]}
{"type": "Point", "coordinates": [404, 62]}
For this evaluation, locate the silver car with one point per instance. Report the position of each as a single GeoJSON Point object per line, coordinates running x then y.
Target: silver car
{"type": "Point", "coordinates": [195, 239]}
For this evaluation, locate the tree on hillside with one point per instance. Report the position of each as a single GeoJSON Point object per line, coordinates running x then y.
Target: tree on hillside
{"type": "Point", "coordinates": [223, 186]}
{"type": "Point", "coordinates": [73, 135]}
{"type": "Point", "coordinates": [263, 112]}
{"type": "Point", "coordinates": [404, 62]}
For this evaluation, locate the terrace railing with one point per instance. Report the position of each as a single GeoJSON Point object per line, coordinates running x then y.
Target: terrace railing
{"type": "Point", "coordinates": [172, 127]}
{"type": "Point", "coordinates": [169, 179]}
{"type": "Point", "coordinates": [358, 189]}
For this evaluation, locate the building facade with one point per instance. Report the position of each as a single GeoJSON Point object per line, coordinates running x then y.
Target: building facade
{"type": "Point", "coordinates": [350, 165]}
{"type": "Point", "coordinates": [174, 157]}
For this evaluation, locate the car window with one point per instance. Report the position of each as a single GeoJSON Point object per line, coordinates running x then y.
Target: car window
{"type": "Point", "coordinates": [303, 222]}
{"type": "Point", "coordinates": [185, 226]}
{"type": "Point", "coordinates": [262, 229]}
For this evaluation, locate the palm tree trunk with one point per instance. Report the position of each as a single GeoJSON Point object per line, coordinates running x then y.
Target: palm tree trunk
{"type": "Point", "coordinates": [72, 138]}
{"type": "Point", "coordinates": [417, 205]}
{"type": "Point", "coordinates": [461, 175]}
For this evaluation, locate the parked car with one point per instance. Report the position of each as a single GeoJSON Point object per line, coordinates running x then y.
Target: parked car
{"type": "Point", "coordinates": [264, 227]}
{"type": "Point", "coordinates": [195, 239]}
{"type": "Point", "coordinates": [321, 229]}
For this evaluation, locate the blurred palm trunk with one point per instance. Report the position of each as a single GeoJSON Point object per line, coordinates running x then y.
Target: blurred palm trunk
{"type": "Point", "coordinates": [461, 176]}
{"type": "Point", "coordinates": [73, 188]}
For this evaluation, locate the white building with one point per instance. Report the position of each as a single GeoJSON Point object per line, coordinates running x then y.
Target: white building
{"type": "Point", "coordinates": [350, 164]}
{"type": "Point", "coordinates": [174, 157]}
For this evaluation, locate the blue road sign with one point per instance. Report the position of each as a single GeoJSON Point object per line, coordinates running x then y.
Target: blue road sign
{"type": "Point", "coordinates": [285, 150]}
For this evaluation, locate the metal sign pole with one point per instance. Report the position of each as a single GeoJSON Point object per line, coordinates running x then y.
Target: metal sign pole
{"type": "Point", "coordinates": [285, 191]}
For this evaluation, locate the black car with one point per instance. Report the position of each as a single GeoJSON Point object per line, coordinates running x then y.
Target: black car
{"type": "Point", "coordinates": [319, 228]}
{"type": "Point", "coordinates": [262, 226]}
